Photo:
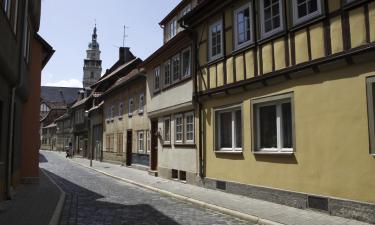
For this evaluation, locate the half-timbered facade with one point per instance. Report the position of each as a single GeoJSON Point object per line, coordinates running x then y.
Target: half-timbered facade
{"type": "Point", "coordinates": [285, 90]}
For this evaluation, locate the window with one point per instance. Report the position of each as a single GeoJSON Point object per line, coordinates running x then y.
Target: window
{"type": "Point", "coordinates": [6, 5]}
{"type": "Point", "coordinates": [157, 79]}
{"type": "Point", "coordinates": [167, 130]}
{"type": "Point", "coordinates": [186, 62]}
{"type": "Point", "coordinates": [148, 137]}
{"type": "Point", "coordinates": [130, 113]}
{"type": "Point", "coordinates": [44, 108]}
{"type": "Point", "coordinates": [173, 28]}
{"type": "Point", "coordinates": [120, 142]}
{"type": "Point", "coordinates": [189, 127]}
{"type": "Point", "coordinates": [178, 128]}
{"type": "Point", "coordinates": [371, 112]}
{"type": "Point", "coordinates": [121, 109]}
{"type": "Point", "coordinates": [141, 143]}
{"type": "Point", "coordinates": [186, 10]}
{"type": "Point", "coordinates": [141, 103]}
{"type": "Point", "coordinates": [109, 142]}
{"type": "Point", "coordinates": [228, 129]}
{"type": "Point", "coordinates": [112, 112]}
{"type": "Point", "coordinates": [167, 73]}
{"type": "Point", "coordinates": [215, 41]}
{"type": "Point", "coordinates": [243, 26]}
{"type": "Point", "coordinates": [273, 124]}
{"type": "Point", "coordinates": [271, 17]}
{"type": "Point", "coordinates": [176, 68]}
{"type": "Point", "coordinates": [304, 10]}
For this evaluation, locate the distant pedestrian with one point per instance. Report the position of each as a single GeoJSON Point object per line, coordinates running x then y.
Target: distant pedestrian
{"type": "Point", "coordinates": [69, 150]}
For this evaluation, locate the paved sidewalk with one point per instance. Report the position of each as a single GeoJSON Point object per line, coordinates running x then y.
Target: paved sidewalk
{"type": "Point", "coordinates": [266, 211]}
{"type": "Point", "coordinates": [33, 204]}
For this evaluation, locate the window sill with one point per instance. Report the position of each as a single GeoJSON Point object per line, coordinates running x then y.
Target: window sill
{"type": "Point", "coordinates": [215, 60]}
{"type": "Point", "coordinates": [242, 49]}
{"type": "Point", "coordinates": [228, 152]}
{"type": "Point", "coordinates": [272, 153]}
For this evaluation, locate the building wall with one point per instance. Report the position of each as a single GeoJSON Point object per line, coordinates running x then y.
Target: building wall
{"type": "Point", "coordinates": [120, 124]}
{"type": "Point", "coordinates": [331, 155]}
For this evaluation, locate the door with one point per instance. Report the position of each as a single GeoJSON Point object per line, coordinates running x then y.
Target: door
{"type": "Point", "coordinates": [154, 145]}
{"type": "Point", "coordinates": [129, 147]}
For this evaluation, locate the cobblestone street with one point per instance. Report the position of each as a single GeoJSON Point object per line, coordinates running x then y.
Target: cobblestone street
{"type": "Point", "coordinates": [93, 198]}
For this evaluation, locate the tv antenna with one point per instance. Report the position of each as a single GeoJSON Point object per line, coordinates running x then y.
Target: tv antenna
{"type": "Point", "coordinates": [125, 35]}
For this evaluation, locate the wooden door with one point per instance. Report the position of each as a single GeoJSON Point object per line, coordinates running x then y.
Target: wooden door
{"type": "Point", "coordinates": [154, 145]}
{"type": "Point", "coordinates": [129, 147]}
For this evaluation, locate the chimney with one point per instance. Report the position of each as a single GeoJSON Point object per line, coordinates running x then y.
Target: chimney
{"type": "Point", "coordinates": [125, 55]}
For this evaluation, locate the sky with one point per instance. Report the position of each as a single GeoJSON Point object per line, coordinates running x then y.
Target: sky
{"type": "Point", "coordinates": [68, 25]}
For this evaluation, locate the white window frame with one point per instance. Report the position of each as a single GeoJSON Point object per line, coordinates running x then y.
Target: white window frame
{"type": "Point", "coordinates": [297, 20]}
{"type": "Point", "coordinates": [157, 79]}
{"type": "Point", "coordinates": [217, 129]}
{"type": "Point", "coordinates": [169, 64]}
{"type": "Point", "coordinates": [173, 70]}
{"type": "Point", "coordinates": [130, 110]}
{"type": "Point", "coordinates": [141, 103]}
{"type": "Point", "coordinates": [265, 34]}
{"type": "Point", "coordinates": [186, 130]}
{"type": "Point", "coordinates": [172, 28]}
{"type": "Point", "coordinates": [183, 74]}
{"type": "Point", "coordinates": [179, 116]}
{"type": "Point", "coordinates": [164, 130]}
{"type": "Point", "coordinates": [141, 147]}
{"type": "Point", "coordinates": [210, 56]}
{"type": "Point", "coordinates": [268, 101]}
{"type": "Point", "coordinates": [249, 6]}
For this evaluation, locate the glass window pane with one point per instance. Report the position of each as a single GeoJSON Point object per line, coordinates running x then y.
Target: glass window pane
{"type": "Point", "coordinates": [276, 22]}
{"type": "Point", "coordinates": [225, 130]}
{"type": "Point", "coordinates": [238, 128]}
{"type": "Point", "coordinates": [268, 131]}
{"type": "Point", "coordinates": [287, 125]}
{"type": "Point", "coordinates": [268, 26]}
{"type": "Point", "coordinates": [313, 6]}
{"type": "Point", "coordinates": [302, 10]}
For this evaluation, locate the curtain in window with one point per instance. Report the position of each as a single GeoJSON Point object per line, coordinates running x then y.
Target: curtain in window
{"type": "Point", "coordinates": [287, 125]}
{"type": "Point", "coordinates": [225, 130]}
{"type": "Point", "coordinates": [268, 129]}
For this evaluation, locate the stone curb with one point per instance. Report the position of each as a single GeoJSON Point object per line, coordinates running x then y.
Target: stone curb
{"type": "Point", "coordinates": [55, 219]}
{"type": "Point", "coordinates": [244, 216]}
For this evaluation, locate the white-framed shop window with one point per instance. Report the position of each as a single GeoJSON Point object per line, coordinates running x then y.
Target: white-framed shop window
{"type": "Point", "coordinates": [228, 129]}
{"type": "Point", "coordinates": [271, 17]}
{"type": "Point", "coordinates": [273, 127]}
{"type": "Point", "coordinates": [243, 26]}
{"type": "Point", "coordinates": [189, 127]}
{"type": "Point", "coordinates": [167, 130]}
{"type": "Point", "coordinates": [179, 131]}
{"type": "Point", "coordinates": [216, 40]}
{"type": "Point", "coordinates": [186, 62]}
{"type": "Point", "coordinates": [141, 142]}
{"type": "Point", "coordinates": [304, 10]}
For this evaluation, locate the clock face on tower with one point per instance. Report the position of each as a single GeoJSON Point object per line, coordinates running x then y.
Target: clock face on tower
{"type": "Point", "coordinates": [92, 68]}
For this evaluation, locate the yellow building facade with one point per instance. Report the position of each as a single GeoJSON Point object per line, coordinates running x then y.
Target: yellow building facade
{"type": "Point", "coordinates": [285, 96]}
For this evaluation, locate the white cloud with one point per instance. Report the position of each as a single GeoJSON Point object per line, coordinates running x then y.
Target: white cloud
{"type": "Point", "coordinates": [64, 83]}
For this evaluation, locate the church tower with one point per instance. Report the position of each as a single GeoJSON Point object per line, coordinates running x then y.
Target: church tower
{"type": "Point", "coordinates": [92, 68]}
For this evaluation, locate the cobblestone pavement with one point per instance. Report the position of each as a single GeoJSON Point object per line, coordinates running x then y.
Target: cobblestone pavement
{"type": "Point", "coordinates": [93, 198]}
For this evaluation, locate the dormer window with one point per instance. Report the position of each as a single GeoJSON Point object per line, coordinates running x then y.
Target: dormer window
{"type": "Point", "coordinates": [172, 28]}
{"type": "Point", "coordinates": [304, 10]}
{"type": "Point", "coordinates": [186, 10]}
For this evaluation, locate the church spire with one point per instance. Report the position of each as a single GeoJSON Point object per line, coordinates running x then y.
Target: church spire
{"type": "Point", "coordinates": [92, 68]}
